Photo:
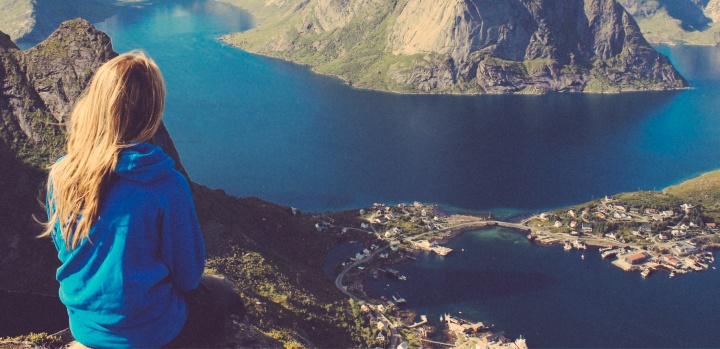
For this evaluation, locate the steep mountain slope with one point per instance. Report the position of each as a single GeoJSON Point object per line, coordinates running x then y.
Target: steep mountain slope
{"type": "Point", "coordinates": [30, 137]}
{"type": "Point", "coordinates": [463, 46]}
{"type": "Point", "coordinates": [273, 255]}
{"type": "Point", "coordinates": [692, 22]}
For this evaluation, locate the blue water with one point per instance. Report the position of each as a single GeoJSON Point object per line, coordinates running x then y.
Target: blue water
{"type": "Point", "coordinates": [555, 299]}
{"type": "Point", "coordinates": [258, 126]}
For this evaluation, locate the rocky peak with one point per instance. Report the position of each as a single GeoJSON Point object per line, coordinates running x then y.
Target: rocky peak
{"type": "Point", "coordinates": [61, 66]}
{"type": "Point", "coordinates": [459, 27]}
{"type": "Point", "coordinates": [6, 42]}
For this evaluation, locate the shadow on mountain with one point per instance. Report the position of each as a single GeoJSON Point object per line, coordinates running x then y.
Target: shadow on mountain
{"type": "Point", "coordinates": [28, 263]}
{"type": "Point", "coordinates": [688, 12]}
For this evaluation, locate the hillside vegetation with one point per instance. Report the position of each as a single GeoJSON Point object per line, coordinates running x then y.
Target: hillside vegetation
{"type": "Point", "coordinates": [703, 190]}
{"type": "Point", "coordinates": [462, 46]}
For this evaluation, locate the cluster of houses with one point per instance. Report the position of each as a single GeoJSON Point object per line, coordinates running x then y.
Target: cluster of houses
{"type": "Point", "coordinates": [481, 333]}
{"type": "Point", "coordinates": [668, 245]}
{"type": "Point", "coordinates": [680, 257]}
{"type": "Point", "coordinates": [420, 215]}
{"type": "Point", "coordinates": [639, 221]}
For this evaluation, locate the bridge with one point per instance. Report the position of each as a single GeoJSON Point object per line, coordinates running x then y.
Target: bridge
{"type": "Point", "coordinates": [434, 342]}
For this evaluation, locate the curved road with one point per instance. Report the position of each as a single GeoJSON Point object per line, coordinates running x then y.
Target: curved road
{"type": "Point", "coordinates": [338, 280]}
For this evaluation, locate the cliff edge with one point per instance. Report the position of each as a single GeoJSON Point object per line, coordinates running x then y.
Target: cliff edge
{"type": "Point", "coordinates": [273, 254]}
{"type": "Point", "coordinates": [463, 46]}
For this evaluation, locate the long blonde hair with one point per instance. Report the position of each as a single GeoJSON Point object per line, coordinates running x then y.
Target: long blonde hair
{"type": "Point", "coordinates": [123, 105]}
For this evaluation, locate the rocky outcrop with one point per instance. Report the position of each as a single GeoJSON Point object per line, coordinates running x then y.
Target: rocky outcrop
{"type": "Point", "coordinates": [712, 10]}
{"type": "Point", "coordinates": [468, 46]}
{"type": "Point", "coordinates": [61, 66]}
{"type": "Point", "coordinates": [253, 242]}
{"type": "Point", "coordinates": [640, 8]}
{"type": "Point", "coordinates": [38, 87]}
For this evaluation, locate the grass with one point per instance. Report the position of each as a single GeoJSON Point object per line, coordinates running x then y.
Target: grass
{"type": "Point", "coordinates": [42, 340]}
{"type": "Point", "coordinates": [537, 66]}
{"type": "Point", "coordinates": [703, 190]}
{"type": "Point", "coordinates": [357, 52]}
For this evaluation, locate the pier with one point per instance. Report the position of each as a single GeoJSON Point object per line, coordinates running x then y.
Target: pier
{"type": "Point", "coordinates": [423, 321]}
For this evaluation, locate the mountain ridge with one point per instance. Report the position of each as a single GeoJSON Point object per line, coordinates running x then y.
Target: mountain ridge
{"type": "Point", "coordinates": [463, 46]}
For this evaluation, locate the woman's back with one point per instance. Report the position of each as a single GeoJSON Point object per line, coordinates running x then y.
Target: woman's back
{"type": "Point", "coordinates": [121, 217]}
{"type": "Point", "coordinates": [122, 286]}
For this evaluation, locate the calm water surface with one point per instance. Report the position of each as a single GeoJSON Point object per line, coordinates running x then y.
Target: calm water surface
{"type": "Point", "coordinates": [258, 126]}
{"type": "Point", "coordinates": [555, 299]}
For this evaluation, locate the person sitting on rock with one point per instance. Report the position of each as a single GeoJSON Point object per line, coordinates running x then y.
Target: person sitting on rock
{"type": "Point", "coordinates": [124, 223]}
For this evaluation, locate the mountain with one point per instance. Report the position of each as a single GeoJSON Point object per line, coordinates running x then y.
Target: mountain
{"type": "Point", "coordinates": [33, 20]}
{"type": "Point", "coordinates": [274, 255]}
{"type": "Point", "coordinates": [462, 46]}
{"type": "Point", "coordinates": [38, 87]}
{"type": "Point", "coordinates": [690, 22]}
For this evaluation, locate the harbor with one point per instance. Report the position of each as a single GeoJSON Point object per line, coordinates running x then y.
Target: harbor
{"type": "Point", "coordinates": [633, 239]}
{"type": "Point", "coordinates": [401, 233]}
{"type": "Point", "coordinates": [405, 234]}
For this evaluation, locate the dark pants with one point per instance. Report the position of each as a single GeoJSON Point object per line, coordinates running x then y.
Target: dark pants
{"type": "Point", "coordinates": [209, 305]}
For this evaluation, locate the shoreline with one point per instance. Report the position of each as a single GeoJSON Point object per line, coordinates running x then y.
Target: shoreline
{"type": "Point", "coordinates": [403, 251]}
{"type": "Point", "coordinates": [410, 229]}
{"type": "Point", "coordinates": [533, 92]}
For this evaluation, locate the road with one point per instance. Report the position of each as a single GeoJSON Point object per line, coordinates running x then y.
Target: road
{"type": "Point", "coordinates": [343, 289]}
{"type": "Point", "coordinates": [338, 280]}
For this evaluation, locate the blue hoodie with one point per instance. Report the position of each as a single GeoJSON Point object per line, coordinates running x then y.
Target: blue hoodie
{"type": "Point", "coordinates": [123, 286]}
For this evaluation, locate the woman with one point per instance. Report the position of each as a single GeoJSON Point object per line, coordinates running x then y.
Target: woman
{"type": "Point", "coordinates": [122, 219]}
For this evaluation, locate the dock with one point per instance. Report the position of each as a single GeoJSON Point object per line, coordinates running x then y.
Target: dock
{"type": "Point", "coordinates": [423, 321]}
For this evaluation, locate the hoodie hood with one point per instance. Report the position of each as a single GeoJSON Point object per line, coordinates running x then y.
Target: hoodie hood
{"type": "Point", "coordinates": [144, 163]}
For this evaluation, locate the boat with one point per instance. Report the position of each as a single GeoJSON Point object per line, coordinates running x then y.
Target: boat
{"type": "Point", "coordinates": [398, 299]}
{"type": "Point", "coordinates": [582, 257]}
{"type": "Point", "coordinates": [567, 246]}
{"type": "Point", "coordinates": [402, 277]}
{"type": "Point", "coordinates": [672, 274]}
{"type": "Point", "coordinates": [645, 273]}
{"type": "Point", "coordinates": [609, 253]}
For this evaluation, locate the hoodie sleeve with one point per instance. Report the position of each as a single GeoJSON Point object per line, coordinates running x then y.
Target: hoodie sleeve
{"type": "Point", "coordinates": [182, 246]}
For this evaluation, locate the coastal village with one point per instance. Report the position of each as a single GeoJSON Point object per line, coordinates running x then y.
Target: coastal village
{"type": "Point", "coordinates": [645, 239]}
{"type": "Point", "coordinates": [394, 234]}
{"type": "Point", "coordinates": [674, 239]}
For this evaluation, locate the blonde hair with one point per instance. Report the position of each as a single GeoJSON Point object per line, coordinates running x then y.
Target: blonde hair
{"type": "Point", "coordinates": [122, 106]}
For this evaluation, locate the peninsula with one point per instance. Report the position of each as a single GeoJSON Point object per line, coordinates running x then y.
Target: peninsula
{"type": "Point", "coordinates": [462, 46]}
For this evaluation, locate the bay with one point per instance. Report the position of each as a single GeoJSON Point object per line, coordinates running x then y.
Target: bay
{"type": "Point", "coordinates": [556, 299]}
{"type": "Point", "coordinates": [253, 125]}
{"type": "Point", "coordinates": [258, 126]}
